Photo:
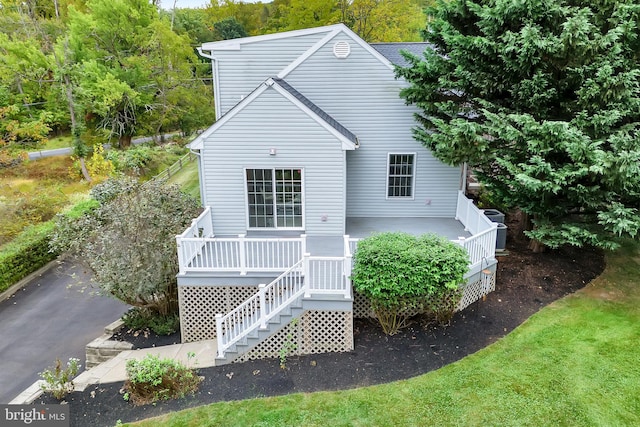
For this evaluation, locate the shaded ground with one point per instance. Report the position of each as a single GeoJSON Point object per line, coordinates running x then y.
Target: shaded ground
{"type": "Point", "coordinates": [525, 283]}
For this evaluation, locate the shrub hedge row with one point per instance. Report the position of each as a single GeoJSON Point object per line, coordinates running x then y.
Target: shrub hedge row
{"type": "Point", "coordinates": [25, 254]}
{"type": "Point", "coordinates": [30, 250]}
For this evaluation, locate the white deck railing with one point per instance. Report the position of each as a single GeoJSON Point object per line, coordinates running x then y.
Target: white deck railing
{"type": "Point", "coordinates": [327, 275]}
{"type": "Point", "coordinates": [305, 275]}
{"type": "Point", "coordinates": [311, 275]}
{"type": "Point", "coordinates": [201, 228]}
{"type": "Point", "coordinates": [256, 312]}
{"type": "Point", "coordinates": [238, 254]}
{"type": "Point", "coordinates": [481, 246]}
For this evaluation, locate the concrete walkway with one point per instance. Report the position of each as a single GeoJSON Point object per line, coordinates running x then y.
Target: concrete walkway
{"type": "Point", "coordinates": [114, 370]}
{"type": "Point", "coordinates": [200, 354]}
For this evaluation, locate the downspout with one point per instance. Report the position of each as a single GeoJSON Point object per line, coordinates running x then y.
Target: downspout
{"type": "Point", "coordinates": [216, 80]}
{"type": "Point", "coordinates": [198, 154]}
{"type": "Point", "coordinates": [463, 179]}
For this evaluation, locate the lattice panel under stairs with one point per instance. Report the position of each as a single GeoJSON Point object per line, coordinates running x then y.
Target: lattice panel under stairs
{"type": "Point", "coordinates": [200, 304]}
{"type": "Point", "coordinates": [476, 290]}
{"type": "Point", "coordinates": [361, 306]}
{"type": "Point", "coordinates": [326, 331]}
{"type": "Point", "coordinates": [315, 332]}
{"type": "Point", "coordinates": [471, 293]}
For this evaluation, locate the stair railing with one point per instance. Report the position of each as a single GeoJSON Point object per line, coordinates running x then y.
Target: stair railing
{"type": "Point", "coordinates": [268, 302]}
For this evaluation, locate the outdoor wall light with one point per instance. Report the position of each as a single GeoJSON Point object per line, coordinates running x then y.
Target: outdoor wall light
{"type": "Point", "coordinates": [272, 151]}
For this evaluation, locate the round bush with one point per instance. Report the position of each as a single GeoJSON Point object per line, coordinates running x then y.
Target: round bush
{"type": "Point", "coordinates": [403, 275]}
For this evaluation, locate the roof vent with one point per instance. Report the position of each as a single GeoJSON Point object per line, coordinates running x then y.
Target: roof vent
{"type": "Point", "coordinates": [341, 49]}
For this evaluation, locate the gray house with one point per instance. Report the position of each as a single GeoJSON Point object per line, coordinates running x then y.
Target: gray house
{"type": "Point", "coordinates": [312, 150]}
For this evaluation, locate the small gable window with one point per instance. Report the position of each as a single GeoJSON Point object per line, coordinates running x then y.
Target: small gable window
{"type": "Point", "coordinates": [400, 175]}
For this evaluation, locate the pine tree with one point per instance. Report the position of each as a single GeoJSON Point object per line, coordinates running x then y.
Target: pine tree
{"type": "Point", "coordinates": [542, 99]}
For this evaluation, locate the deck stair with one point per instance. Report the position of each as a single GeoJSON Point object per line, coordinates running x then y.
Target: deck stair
{"type": "Point", "coordinates": [276, 304]}
{"type": "Point", "coordinates": [293, 311]}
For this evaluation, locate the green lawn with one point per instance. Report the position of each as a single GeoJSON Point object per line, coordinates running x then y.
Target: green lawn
{"type": "Point", "coordinates": [575, 363]}
{"type": "Point", "coordinates": [187, 179]}
{"type": "Point", "coordinates": [57, 142]}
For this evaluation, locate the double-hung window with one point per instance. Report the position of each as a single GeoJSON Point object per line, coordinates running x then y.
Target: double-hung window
{"type": "Point", "coordinates": [400, 175]}
{"type": "Point", "coordinates": [274, 198]}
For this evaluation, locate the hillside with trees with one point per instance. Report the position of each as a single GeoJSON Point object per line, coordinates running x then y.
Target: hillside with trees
{"type": "Point", "coordinates": [107, 70]}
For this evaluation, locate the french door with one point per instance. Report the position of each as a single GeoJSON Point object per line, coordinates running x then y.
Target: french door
{"type": "Point", "coordinates": [274, 198]}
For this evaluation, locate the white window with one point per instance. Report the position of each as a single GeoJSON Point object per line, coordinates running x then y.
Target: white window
{"type": "Point", "coordinates": [400, 175]}
{"type": "Point", "coordinates": [274, 198]}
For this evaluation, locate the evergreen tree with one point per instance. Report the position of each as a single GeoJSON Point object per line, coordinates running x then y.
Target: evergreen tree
{"type": "Point", "coordinates": [542, 99]}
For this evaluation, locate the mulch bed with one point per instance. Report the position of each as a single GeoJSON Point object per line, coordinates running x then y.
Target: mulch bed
{"type": "Point", "coordinates": [526, 282]}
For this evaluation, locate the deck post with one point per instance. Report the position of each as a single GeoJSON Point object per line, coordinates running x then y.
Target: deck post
{"type": "Point", "coordinates": [181, 260]}
{"type": "Point", "coordinates": [263, 305]}
{"type": "Point", "coordinates": [242, 254]}
{"type": "Point", "coordinates": [347, 249]}
{"type": "Point", "coordinates": [219, 335]}
{"type": "Point", "coordinates": [303, 249]}
{"type": "Point", "coordinates": [347, 274]}
{"type": "Point", "coordinates": [305, 275]}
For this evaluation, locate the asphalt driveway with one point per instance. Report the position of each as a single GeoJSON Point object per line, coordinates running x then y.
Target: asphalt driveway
{"type": "Point", "coordinates": [49, 319]}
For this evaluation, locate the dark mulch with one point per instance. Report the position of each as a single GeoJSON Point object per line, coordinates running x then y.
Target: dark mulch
{"type": "Point", "coordinates": [525, 283]}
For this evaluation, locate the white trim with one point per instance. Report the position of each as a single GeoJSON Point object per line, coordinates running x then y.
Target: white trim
{"type": "Point", "coordinates": [216, 87]}
{"type": "Point", "coordinates": [340, 28]}
{"type": "Point", "coordinates": [275, 210]}
{"type": "Point", "coordinates": [198, 143]}
{"type": "Point", "coordinates": [413, 176]}
{"type": "Point", "coordinates": [347, 144]}
{"type": "Point", "coordinates": [236, 44]}
{"type": "Point", "coordinates": [313, 49]}
{"type": "Point", "coordinates": [216, 80]}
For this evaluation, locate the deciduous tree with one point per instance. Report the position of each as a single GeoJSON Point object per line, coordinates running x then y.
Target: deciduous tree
{"type": "Point", "coordinates": [129, 241]}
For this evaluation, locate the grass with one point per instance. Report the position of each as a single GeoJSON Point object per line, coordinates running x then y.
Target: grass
{"type": "Point", "coordinates": [62, 141]}
{"type": "Point", "coordinates": [34, 192]}
{"type": "Point", "coordinates": [575, 363]}
{"type": "Point", "coordinates": [187, 179]}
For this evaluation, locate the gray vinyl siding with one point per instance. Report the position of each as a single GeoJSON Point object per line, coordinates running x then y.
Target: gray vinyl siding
{"type": "Point", "coordinates": [362, 94]}
{"type": "Point", "coordinates": [241, 71]}
{"type": "Point", "coordinates": [272, 121]}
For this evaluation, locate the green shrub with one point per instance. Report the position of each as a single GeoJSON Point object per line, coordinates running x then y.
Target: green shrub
{"type": "Point", "coordinates": [403, 275]}
{"type": "Point", "coordinates": [59, 381]}
{"type": "Point", "coordinates": [25, 254]}
{"type": "Point", "coordinates": [31, 250]}
{"type": "Point", "coordinates": [131, 161]}
{"type": "Point", "coordinates": [152, 379]}
{"type": "Point", "coordinates": [138, 318]}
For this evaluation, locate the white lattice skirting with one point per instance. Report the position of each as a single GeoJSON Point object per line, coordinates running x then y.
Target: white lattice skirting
{"type": "Point", "coordinates": [200, 304]}
{"type": "Point", "coordinates": [477, 287]}
{"type": "Point", "coordinates": [315, 332]}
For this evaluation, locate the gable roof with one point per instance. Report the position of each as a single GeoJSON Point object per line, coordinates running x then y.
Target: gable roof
{"type": "Point", "coordinates": [313, 107]}
{"type": "Point", "coordinates": [348, 139]}
{"type": "Point", "coordinates": [236, 44]}
{"type": "Point", "coordinates": [391, 51]}
{"type": "Point", "coordinates": [330, 30]}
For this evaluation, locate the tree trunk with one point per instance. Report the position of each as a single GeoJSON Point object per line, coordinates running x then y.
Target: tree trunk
{"type": "Point", "coordinates": [85, 172]}
{"type": "Point", "coordinates": [536, 246]}
{"type": "Point", "coordinates": [124, 141]}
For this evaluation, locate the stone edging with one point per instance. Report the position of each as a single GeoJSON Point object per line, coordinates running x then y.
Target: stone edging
{"type": "Point", "coordinates": [104, 348]}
